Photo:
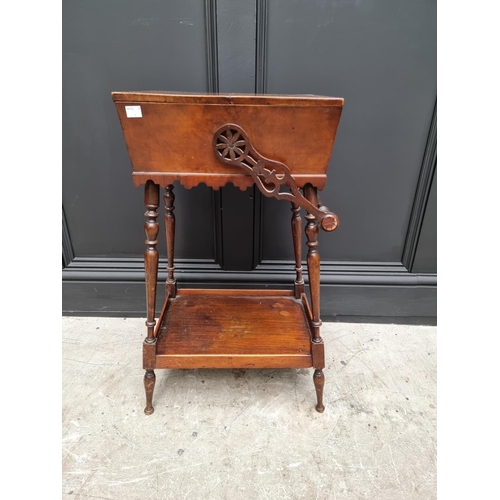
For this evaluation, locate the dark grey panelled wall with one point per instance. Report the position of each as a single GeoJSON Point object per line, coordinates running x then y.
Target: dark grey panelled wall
{"type": "Point", "coordinates": [380, 56]}
{"type": "Point", "coordinates": [123, 45]}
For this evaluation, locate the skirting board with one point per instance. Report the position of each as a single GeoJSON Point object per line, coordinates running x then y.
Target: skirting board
{"type": "Point", "coordinates": [390, 304]}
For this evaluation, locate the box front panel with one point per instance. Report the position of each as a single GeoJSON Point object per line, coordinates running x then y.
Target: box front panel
{"type": "Point", "coordinates": [178, 137]}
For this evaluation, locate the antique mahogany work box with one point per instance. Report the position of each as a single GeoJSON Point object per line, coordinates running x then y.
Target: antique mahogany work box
{"type": "Point", "coordinates": [280, 143]}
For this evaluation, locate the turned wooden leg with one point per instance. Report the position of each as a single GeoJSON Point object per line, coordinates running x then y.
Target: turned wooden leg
{"type": "Point", "coordinates": [313, 266]}
{"type": "Point", "coordinates": [149, 385]}
{"type": "Point", "coordinates": [169, 197]}
{"type": "Point", "coordinates": [151, 228]}
{"type": "Point", "coordinates": [313, 271]}
{"type": "Point", "coordinates": [297, 247]}
{"type": "Point", "coordinates": [319, 383]}
{"type": "Point", "coordinates": [317, 345]}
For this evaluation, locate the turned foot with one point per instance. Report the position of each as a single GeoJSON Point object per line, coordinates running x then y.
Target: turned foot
{"type": "Point", "coordinates": [319, 383]}
{"type": "Point", "coordinates": [149, 385]}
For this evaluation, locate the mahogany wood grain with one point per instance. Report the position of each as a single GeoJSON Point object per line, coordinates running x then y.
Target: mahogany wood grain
{"type": "Point", "coordinates": [318, 354]}
{"type": "Point", "coordinates": [237, 291]}
{"type": "Point", "coordinates": [319, 384]}
{"type": "Point", "coordinates": [149, 386]}
{"type": "Point", "coordinates": [169, 197]}
{"type": "Point", "coordinates": [217, 180]}
{"type": "Point", "coordinates": [297, 249]}
{"type": "Point", "coordinates": [151, 228]}
{"type": "Point", "coordinates": [174, 135]}
{"type": "Point", "coordinates": [216, 331]}
{"type": "Point", "coordinates": [162, 314]}
{"type": "Point", "coordinates": [307, 309]}
{"type": "Point", "coordinates": [233, 147]}
{"type": "Point", "coordinates": [300, 137]}
{"type": "Point", "coordinates": [261, 361]}
{"type": "Point", "coordinates": [287, 144]}
{"type": "Point", "coordinates": [313, 271]}
{"type": "Point", "coordinates": [161, 96]}
{"type": "Point", "coordinates": [149, 354]}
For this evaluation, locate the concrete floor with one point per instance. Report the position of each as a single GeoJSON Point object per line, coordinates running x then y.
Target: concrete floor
{"type": "Point", "coordinates": [250, 434]}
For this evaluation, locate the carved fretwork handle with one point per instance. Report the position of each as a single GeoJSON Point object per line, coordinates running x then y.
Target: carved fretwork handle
{"type": "Point", "coordinates": [233, 147]}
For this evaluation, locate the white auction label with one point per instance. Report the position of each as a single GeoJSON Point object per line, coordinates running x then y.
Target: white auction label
{"type": "Point", "coordinates": [133, 111]}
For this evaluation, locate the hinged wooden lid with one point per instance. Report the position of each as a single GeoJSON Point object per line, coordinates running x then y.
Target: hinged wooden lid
{"type": "Point", "coordinates": [169, 134]}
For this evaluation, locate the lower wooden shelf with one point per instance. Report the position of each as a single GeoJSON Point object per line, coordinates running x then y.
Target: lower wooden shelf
{"type": "Point", "coordinates": [234, 329]}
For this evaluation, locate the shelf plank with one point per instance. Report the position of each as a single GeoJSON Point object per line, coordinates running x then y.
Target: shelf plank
{"type": "Point", "coordinates": [234, 329]}
{"type": "Point", "coordinates": [191, 361]}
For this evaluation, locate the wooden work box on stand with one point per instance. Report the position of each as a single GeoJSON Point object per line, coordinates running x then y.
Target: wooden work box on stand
{"type": "Point", "coordinates": [281, 143]}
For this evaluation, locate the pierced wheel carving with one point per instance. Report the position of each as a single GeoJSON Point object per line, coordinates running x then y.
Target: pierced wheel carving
{"type": "Point", "coordinates": [232, 146]}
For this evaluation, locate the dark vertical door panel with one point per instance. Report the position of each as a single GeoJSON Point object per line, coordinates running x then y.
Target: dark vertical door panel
{"type": "Point", "coordinates": [124, 45]}
{"type": "Point", "coordinates": [236, 44]}
{"type": "Point", "coordinates": [277, 243]}
{"type": "Point", "coordinates": [381, 57]}
{"type": "Point", "coordinates": [378, 55]}
{"type": "Point", "coordinates": [236, 30]}
{"type": "Point", "coordinates": [237, 228]}
{"type": "Point", "coordinates": [426, 256]}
